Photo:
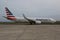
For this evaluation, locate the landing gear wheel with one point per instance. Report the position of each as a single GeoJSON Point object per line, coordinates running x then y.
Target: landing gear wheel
{"type": "Point", "coordinates": [32, 23]}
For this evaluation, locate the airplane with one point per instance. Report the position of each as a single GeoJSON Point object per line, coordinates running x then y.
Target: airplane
{"type": "Point", "coordinates": [11, 17]}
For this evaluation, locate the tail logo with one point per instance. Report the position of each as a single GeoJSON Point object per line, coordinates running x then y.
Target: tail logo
{"type": "Point", "coordinates": [9, 14]}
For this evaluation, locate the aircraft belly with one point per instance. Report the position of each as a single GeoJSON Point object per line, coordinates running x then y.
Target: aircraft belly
{"type": "Point", "coordinates": [46, 21]}
{"type": "Point", "coordinates": [21, 20]}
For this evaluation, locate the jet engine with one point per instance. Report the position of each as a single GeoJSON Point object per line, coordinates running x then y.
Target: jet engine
{"type": "Point", "coordinates": [38, 22]}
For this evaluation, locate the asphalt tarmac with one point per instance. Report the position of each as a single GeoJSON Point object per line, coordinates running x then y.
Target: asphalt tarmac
{"type": "Point", "coordinates": [29, 32]}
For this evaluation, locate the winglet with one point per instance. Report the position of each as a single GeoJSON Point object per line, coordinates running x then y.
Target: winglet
{"type": "Point", "coordinates": [25, 16]}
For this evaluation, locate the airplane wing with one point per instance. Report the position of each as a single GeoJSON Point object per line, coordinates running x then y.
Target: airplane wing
{"type": "Point", "coordinates": [30, 20]}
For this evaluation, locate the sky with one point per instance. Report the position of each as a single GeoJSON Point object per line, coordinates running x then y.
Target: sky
{"type": "Point", "coordinates": [31, 8]}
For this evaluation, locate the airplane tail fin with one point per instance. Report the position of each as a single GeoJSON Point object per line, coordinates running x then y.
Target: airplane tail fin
{"type": "Point", "coordinates": [8, 12]}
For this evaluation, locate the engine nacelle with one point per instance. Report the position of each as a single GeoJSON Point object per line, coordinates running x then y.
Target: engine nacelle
{"type": "Point", "coordinates": [38, 22]}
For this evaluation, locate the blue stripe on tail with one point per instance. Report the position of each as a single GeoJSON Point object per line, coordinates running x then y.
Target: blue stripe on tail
{"type": "Point", "coordinates": [8, 11]}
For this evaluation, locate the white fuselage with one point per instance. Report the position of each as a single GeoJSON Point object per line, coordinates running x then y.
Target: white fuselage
{"type": "Point", "coordinates": [20, 19]}
{"type": "Point", "coordinates": [50, 20]}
